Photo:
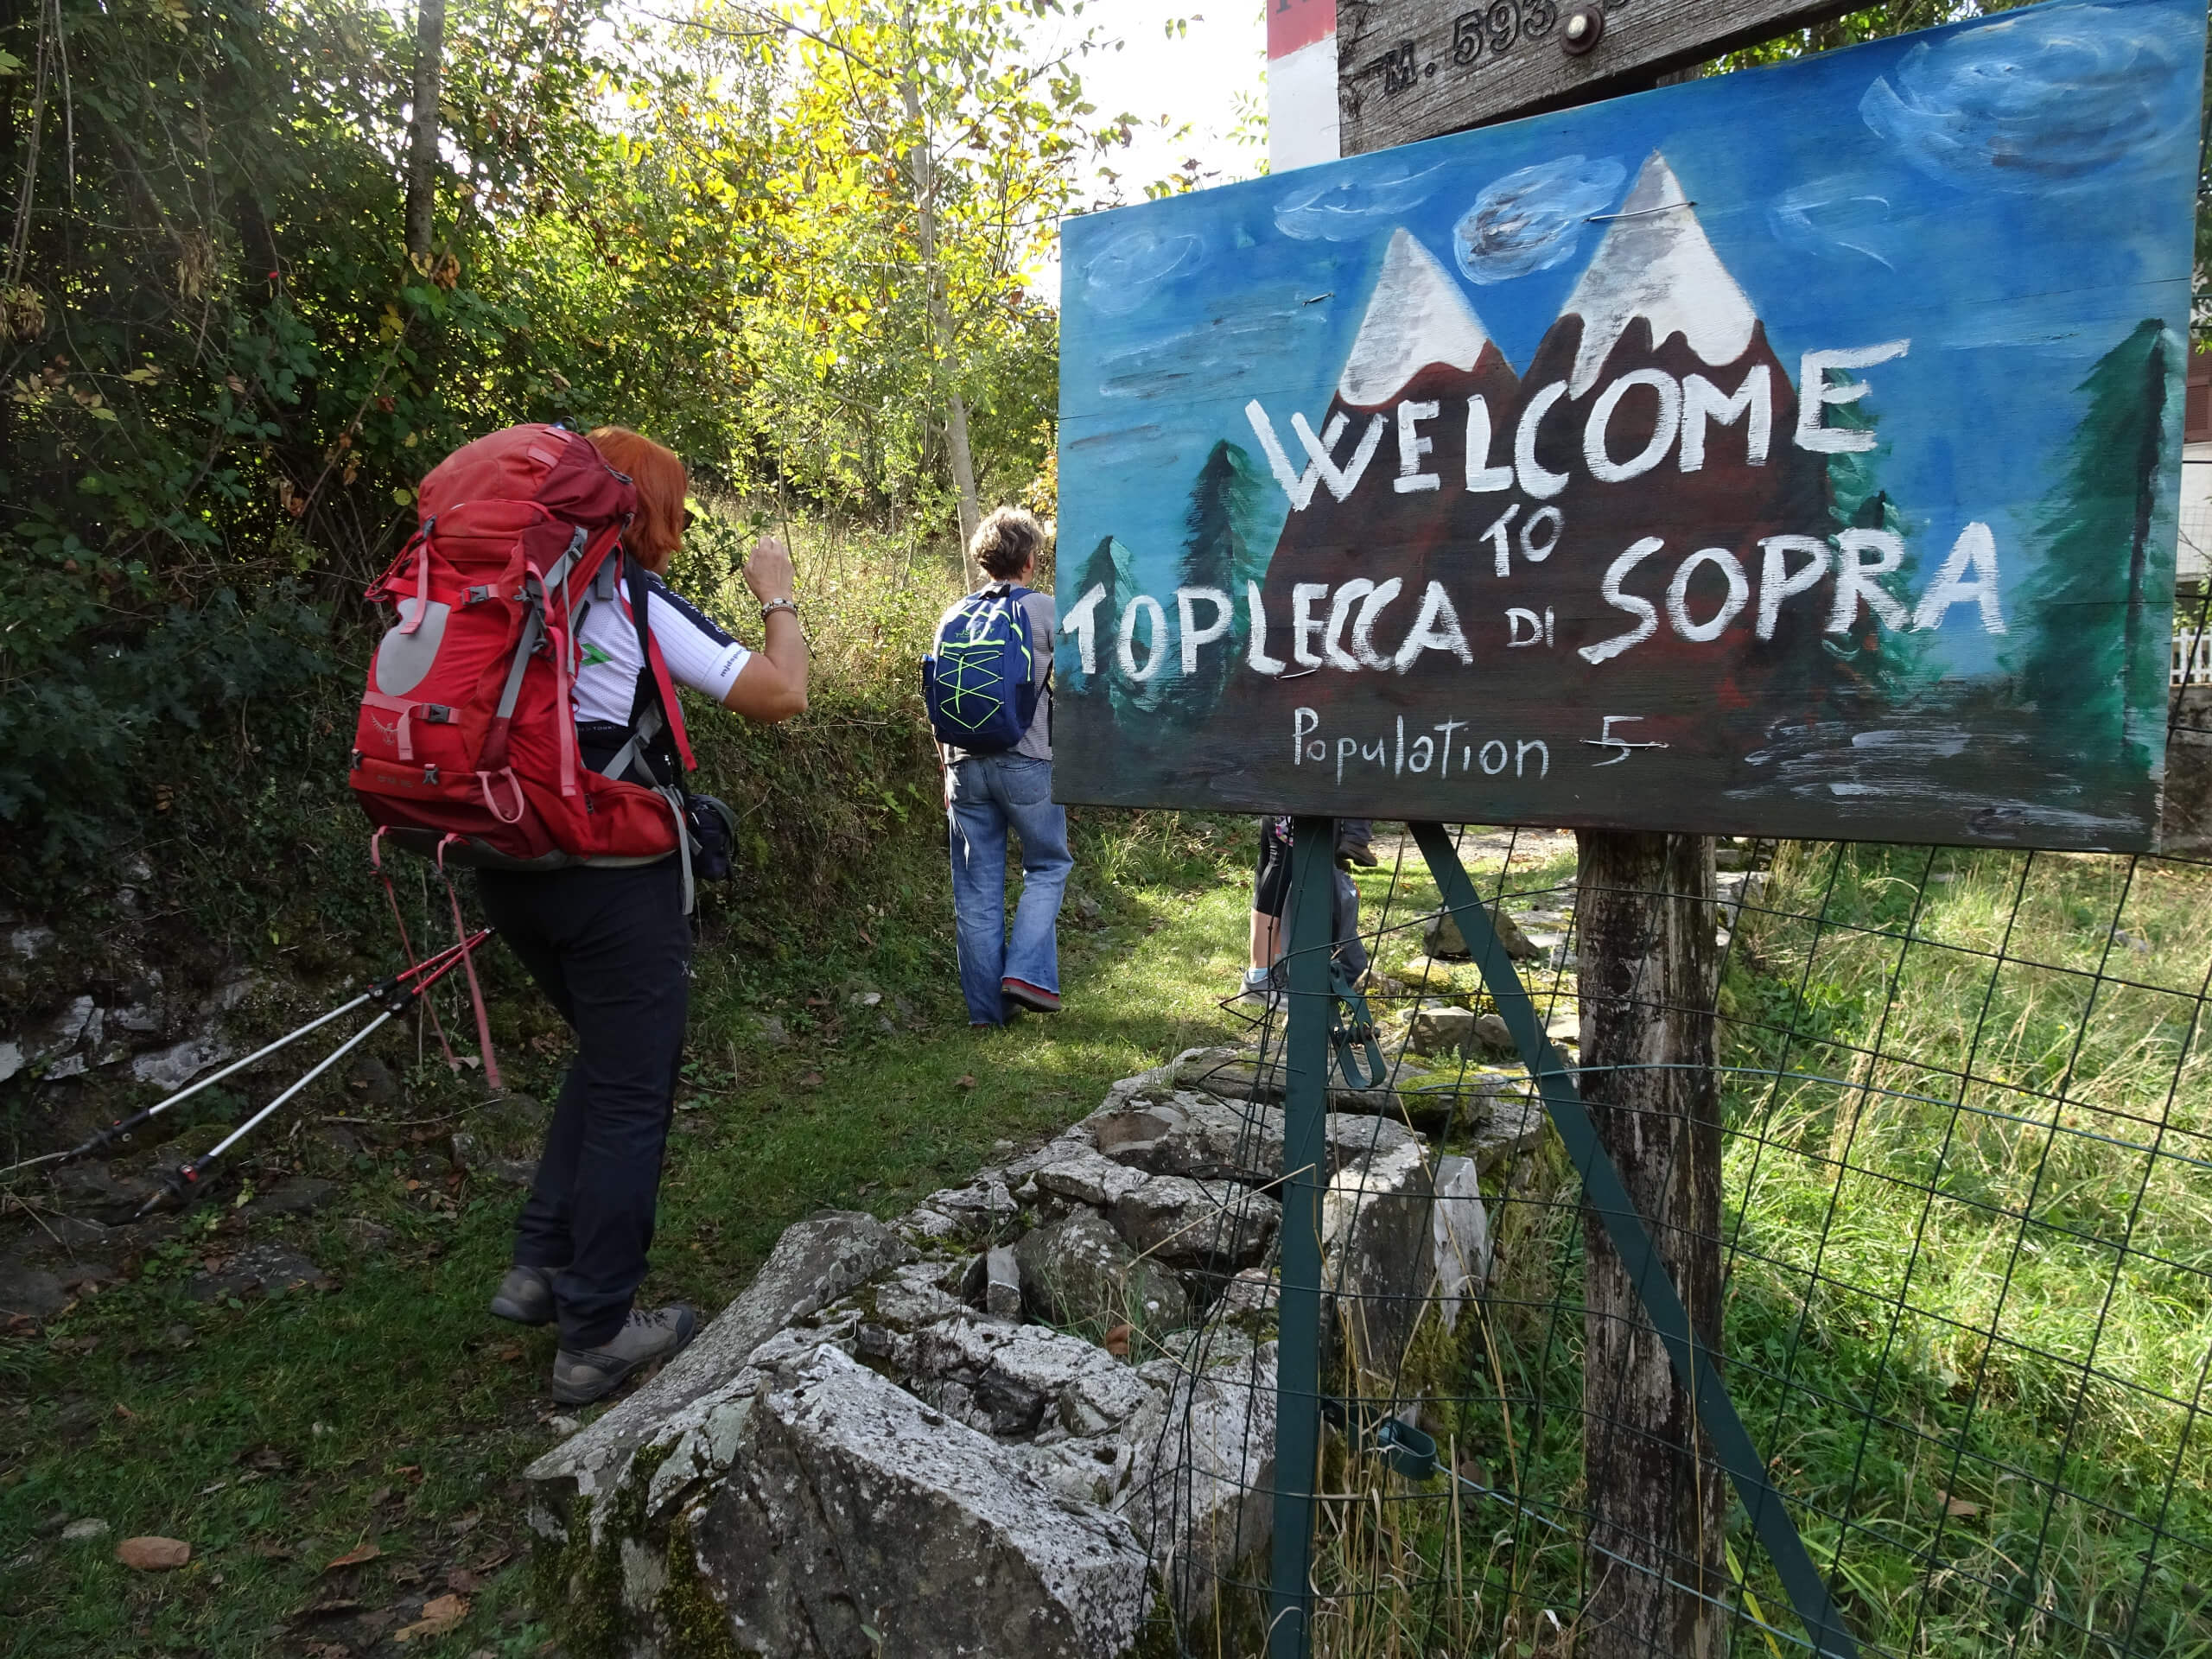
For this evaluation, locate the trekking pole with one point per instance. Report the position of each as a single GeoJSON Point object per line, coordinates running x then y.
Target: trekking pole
{"type": "Point", "coordinates": [122, 1128]}
{"type": "Point", "coordinates": [396, 994]}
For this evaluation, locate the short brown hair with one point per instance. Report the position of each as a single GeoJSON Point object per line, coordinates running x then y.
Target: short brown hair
{"type": "Point", "coordinates": [1006, 541]}
{"type": "Point", "coordinates": [661, 482]}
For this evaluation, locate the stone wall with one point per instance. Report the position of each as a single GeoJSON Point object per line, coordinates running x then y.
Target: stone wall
{"type": "Point", "coordinates": [1035, 1415]}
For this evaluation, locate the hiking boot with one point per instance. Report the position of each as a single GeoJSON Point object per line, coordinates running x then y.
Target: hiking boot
{"type": "Point", "coordinates": [525, 1296]}
{"type": "Point", "coordinates": [1030, 996]}
{"type": "Point", "coordinates": [583, 1375]}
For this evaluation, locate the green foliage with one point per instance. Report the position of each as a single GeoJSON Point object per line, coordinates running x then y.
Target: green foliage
{"type": "Point", "coordinates": [222, 374]}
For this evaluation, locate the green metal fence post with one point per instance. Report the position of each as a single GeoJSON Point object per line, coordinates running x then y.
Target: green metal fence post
{"type": "Point", "coordinates": [1305, 1101]}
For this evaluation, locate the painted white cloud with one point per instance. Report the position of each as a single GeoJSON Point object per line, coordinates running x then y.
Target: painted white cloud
{"type": "Point", "coordinates": [1533, 218]}
{"type": "Point", "coordinates": [1347, 209]}
{"type": "Point", "coordinates": [2044, 98]}
{"type": "Point", "coordinates": [1829, 215]}
{"type": "Point", "coordinates": [1122, 276]}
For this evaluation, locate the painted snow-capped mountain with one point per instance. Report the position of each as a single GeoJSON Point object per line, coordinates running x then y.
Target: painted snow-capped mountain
{"type": "Point", "coordinates": [1418, 317]}
{"type": "Point", "coordinates": [1655, 296]}
{"type": "Point", "coordinates": [1420, 342]}
{"type": "Point", "coordinates": [1655, 266]}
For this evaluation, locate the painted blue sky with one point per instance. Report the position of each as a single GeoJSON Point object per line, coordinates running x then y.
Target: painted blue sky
{"type": "Point", "coordinates": [2013, 195]}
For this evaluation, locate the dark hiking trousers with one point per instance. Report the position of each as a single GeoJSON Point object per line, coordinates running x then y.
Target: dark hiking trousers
{"type": "Point", "coordinates": [613, 949]}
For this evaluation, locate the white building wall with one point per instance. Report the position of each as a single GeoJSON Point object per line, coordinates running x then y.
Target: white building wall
{"type": "Point", "coordinates": [1302, 127]}
{"type": "Point", "coordinates": [2196, 512]}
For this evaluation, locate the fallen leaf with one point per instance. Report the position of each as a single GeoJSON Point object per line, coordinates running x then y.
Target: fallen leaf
{"type": "Point", "coordinates": [269, 1550]}
{"type": "Point", "coordinates": [496, 1557]}
{"type": "Point", "coordinates": [153, 1554]}
{"type": "Point", "coordinates": [379, 1495]}
{"type": "Point", "coordinates": [811, 1080]}
{"type": "Point", "coordinates": [1117, 1341]}
{"type": "Point", "coordinates": [509, 1354]}
{"type": "Point", "coordinates": [461, 1523]}
{"type": "Point", "coordinates": [329, 1607]}
{"type": "Point", "coordinates": [967, 1082]}
{"type": "Point", "coordinates": [866, 940]}
{"type": "Point", "coordinates": [1959, 1509]}
{"type": "Point", "coordinates": [440, 1614]}
{"type": "Point", "coordinates": [122, 1410]}
{"type": "Point", "coordinates": [461, 1581]}
{"type": "Point", "coordinates": [354, 1556]}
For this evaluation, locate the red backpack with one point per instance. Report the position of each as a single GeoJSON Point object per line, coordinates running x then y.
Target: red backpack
{"type": "Point", "coordinates": [466, 747]}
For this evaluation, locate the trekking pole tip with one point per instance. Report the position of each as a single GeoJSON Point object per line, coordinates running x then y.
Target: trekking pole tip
{"type": "Point", "coordinates": [178, 1184]}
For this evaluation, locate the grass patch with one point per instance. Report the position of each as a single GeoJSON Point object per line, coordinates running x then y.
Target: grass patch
{"type": "Point", "coordinates": [278, 1434]}
{"type": "Point", "coordinates": [1970, 1291]}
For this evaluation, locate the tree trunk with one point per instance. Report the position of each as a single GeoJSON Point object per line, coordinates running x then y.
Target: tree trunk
{"type": "Point", "coordinates": [963, 465]}
{"type": "Point", "coordinates": [943, 346]}
{"type": "Point", "coordinates": [1644, 927]}
{"type": "Point", "coordinates": [422, 126]}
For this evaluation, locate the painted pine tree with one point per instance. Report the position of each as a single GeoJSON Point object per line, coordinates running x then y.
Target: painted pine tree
{"type": "Point", "coordinates": [1889, 665]}
{"type": "Point", "coordinates": [1221, 551]}
{"type": "Point", "coordinates": [1111, 569]}
{"type": "Point", "coordinates": [2091, 656]}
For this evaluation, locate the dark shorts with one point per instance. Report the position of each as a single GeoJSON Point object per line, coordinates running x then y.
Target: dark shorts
{"type": "Point", "coordinates": [1271, 883]}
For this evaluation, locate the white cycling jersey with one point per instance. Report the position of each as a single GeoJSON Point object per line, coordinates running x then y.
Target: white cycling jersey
{"type": "Point", "coordinates": [698, 653]}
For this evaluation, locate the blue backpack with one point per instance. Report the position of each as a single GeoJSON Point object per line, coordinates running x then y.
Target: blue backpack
{"type": "Point", "coordinates": [980, 683]}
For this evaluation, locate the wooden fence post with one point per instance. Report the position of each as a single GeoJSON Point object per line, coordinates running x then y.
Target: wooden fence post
{"type": "Point", "coordinates": [1645, 922]}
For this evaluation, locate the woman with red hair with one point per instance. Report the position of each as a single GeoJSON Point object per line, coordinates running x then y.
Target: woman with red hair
{"type": "Point", "coordinates": [611, 946]}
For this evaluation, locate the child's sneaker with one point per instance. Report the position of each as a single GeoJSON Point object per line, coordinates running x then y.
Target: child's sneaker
{"type": "Point", "coordinates": [1262, 988]}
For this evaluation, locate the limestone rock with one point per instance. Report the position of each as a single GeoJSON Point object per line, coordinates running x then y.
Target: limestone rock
{"type": "Point", "coordinates": [1175, 1218]}
{"type": "Point", "coordinates": [1194, 1134]}
{"type": "Point", "coordinates": [852, 1504]}
{"type": "Point", "coordinates": [979, 1210]}
{"type": "Point", "coordinates": [1492, 1033]}
{"type": "Point", "coordinates": [1441, 1028]}
{"type": "Point", "coordinates": [1440, 935]}
{"type": "Point", "coordinates": [1200, 1498]}
{"type": "Point", "coordinates": [1459, 1233]}
{"type": "Point", "coordinates": [695, 1403]}
{"type": "Point", "coordinates": [1252, 1294]}
{"type": "Point", "coordinates": [1090, 1178]}
{"type": "Point", "coordinates": [1516, 1127]}
{"type": "Point", "coordinates": [1077, 1271]}
{"type": "Point", "coordinates": [1379, 1256]}
{"type": "Point", "coordinates": [1092, 1470]}
{"type": "Point", "coordinates": [1003, 1284]}
{"type": "Point", "coordinates": [1192, 1064]}
{"type": "Point", "coordinates": [1016, 1380]}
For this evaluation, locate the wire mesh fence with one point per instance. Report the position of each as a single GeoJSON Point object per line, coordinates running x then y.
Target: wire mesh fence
{"type": "Point", "coordinates": [1962, 1243]}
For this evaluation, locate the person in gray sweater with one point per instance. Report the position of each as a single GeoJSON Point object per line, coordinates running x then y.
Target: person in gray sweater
{"type": "Point", "coordinates": [987, 795]}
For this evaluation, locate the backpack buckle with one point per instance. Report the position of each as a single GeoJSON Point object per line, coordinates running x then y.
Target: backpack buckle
{"type": "Point", "coordinates": [435, 714]}
{"type": "Point", "coordinates": [430, 775]}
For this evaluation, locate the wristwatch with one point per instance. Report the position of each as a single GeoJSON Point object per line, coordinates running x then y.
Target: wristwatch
{"type": "Point", "coordinates": [790, 605]}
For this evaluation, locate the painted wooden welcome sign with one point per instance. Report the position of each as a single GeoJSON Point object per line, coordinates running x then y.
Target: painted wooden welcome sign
{"type": "Point", "coordinates": [1793, 452]}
